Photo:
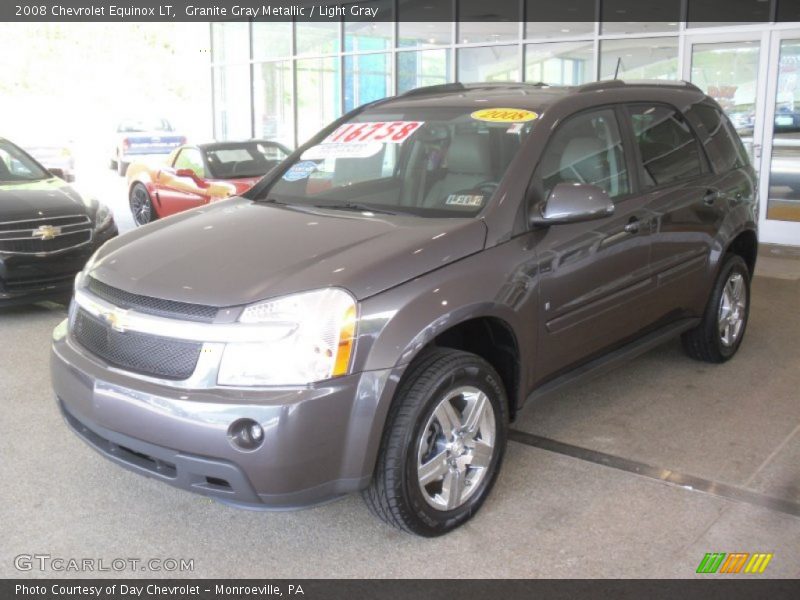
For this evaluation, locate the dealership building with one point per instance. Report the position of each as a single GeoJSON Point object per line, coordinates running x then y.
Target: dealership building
{"type": "Point", "coordinates": [285, 80]}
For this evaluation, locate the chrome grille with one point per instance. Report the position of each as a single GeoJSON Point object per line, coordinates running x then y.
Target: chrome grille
{"type": "Point", "coordinates": [142, 353]}
{"type": "Point", "coordinates": [45, 235]}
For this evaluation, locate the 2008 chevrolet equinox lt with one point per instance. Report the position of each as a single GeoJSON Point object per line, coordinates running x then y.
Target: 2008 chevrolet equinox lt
{"type": "Point", "coordinates": [373, 313]}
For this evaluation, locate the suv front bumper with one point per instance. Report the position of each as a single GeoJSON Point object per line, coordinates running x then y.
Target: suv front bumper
{"type": "Point", "coordinates": [319, 442]}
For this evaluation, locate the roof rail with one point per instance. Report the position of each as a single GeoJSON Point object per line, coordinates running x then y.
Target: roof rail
{"type": "Point", "coordinates": [462, 87]}
{"type": "Point", "coordinates": [434, 89]}
{"type": "Point", "coordinates": [616, 83]}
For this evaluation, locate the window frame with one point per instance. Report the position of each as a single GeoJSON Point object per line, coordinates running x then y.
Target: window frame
{"type": "Point", "coordinates": [534, 197]}
{"type": "Point", "coordinates": [706, 167]}
{"type": "Point", "coordinates": [183, 149]}
{"type": "Point", "coordinates": [726, 123]}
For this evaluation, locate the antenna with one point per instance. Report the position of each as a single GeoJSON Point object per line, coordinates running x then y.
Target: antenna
{"type": "Point", "coordinates": [619, 64]}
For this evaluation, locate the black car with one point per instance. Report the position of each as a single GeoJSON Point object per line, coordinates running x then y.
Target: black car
{"type": "Point", "coordinates": [47, 230]}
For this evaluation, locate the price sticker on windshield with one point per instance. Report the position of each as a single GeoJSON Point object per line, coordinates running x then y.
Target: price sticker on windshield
{"type": "Point", "coordinates": [387, 132]}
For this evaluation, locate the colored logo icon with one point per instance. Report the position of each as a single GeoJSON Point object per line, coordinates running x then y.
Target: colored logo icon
{"type": "Point", "coordinates": [733, 563]}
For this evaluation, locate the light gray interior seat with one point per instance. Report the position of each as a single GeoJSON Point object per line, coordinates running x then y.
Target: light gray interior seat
{"type": "Point", "coordinates": [469, 163]}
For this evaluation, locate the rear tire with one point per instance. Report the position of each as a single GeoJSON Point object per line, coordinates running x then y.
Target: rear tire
{"type": "Point", "coordinates": [112, 165]}
{"type": "Point", "coordinates": [719, 335]}
{"type": "Point", "coordinates": [443, 444]}
{"type": "Point", "coordinates": [122, 168]}
{"type": "Point", "coordinates": [141, 205]}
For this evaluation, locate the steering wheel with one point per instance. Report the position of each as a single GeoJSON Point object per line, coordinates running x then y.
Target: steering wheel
{"type": "Point", "coordinates": [487, 186]}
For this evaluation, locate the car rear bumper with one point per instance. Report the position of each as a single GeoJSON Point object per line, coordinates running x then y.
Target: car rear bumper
{"type": "Point", "coordinates": [318, 442]}
{"type": "Point", "coordinates": [27, 278]}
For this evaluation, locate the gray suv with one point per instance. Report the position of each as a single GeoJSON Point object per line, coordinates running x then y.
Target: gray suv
{"type": "Point", "coordinates": [372, 314]}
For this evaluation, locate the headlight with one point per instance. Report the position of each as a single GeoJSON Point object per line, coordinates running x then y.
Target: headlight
{"type": "Point", "coordinates": [102, 217]}
{"type": "Point", "coordinates": [315, 339]}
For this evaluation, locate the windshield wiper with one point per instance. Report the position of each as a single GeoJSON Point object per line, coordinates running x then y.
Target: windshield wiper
{"type": "Point", "coordinates": [355, 206]}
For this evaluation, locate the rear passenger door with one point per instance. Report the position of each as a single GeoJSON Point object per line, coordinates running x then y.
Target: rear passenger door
{"type": "Point", "coordinates": [595, 275]}
{"type": "Point", "coordinates": [684, 201]}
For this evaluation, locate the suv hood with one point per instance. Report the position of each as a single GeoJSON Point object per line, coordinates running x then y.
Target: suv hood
{"type": "Point", "coordinates": [40, 199]}
{"type": "Point", "coordinates": [238, 251]}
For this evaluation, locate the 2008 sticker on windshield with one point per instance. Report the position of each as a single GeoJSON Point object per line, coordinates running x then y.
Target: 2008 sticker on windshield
{"type": "Point", "coordinates": [504, 115]}
{"type": "Point", "coordinates": [391, 132]}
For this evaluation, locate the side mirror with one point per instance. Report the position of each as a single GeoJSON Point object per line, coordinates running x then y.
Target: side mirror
{"type": "Point", "coordinates": [572, 203]}
{"type": "Point", "coordinates": [57, 172]}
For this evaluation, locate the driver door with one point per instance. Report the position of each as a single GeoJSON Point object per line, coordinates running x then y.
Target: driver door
{"type": "Point", "coordinates": [596, 287]}
{"type": "Point", "coordinates": [177, 194]}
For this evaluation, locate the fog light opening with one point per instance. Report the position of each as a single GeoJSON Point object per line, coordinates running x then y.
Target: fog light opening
{"type": "Point", "coordinates": [246, 434]}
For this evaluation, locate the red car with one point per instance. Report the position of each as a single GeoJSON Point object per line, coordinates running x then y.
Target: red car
{"type": "Point", "coordinates": [196, 175]}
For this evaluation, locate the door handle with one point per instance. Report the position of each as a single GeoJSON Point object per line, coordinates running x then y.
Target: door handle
{"type": "Point", "coordinates": [632, 226]}
{"type": "Point", "coordinates": [710, 197]}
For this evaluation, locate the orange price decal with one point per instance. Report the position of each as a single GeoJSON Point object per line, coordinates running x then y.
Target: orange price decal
{"type": "Point", "coordinates": [393, 132]}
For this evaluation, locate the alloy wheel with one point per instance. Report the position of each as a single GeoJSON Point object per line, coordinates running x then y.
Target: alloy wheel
{"type": "Point", "coordinates": [456, 448]}
{"type": "Point", "coordinates": [142, 209]}
{"type": "Point", "coordinates": [731, 315]}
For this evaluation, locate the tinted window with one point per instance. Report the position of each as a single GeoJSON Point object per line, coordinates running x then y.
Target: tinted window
{"type": "Point", "coordinates": [668, 148]}
{"type": "Point", "coordinates": [586, 149]}
{"type": "Point", "coordinates": [190, 158]}
{"type": "Point", "coordinates": [723, 144]}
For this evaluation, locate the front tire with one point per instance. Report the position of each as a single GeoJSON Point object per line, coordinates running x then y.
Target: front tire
{"type": "Point", "coordinates": [141, 205]}
{"type": "Point", "coordinates": [443, 444]}
{"type": "Point", "coordinates": [719, 335]}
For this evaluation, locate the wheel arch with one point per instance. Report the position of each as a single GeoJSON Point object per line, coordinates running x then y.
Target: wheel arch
{"type": "Point", "coordinates": [494, 340]}
{"type": "Point", "coordinates": [745, 244]}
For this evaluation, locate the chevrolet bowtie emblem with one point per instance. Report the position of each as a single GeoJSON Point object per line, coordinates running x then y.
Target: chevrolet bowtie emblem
{"type": "Point", "coordinates": [116, 319]}
{"type": "Point", "coordinates": [46, 232]}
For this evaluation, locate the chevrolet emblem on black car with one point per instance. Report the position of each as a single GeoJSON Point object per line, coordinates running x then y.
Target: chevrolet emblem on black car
{"type": "Point", "coordinates": [46, 232]}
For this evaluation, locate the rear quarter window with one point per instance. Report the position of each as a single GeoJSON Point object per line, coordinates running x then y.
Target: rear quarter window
{"type": "Point", "coordinates": [722, 143]}
{"type": "Point", "coordinates": [668, 148]}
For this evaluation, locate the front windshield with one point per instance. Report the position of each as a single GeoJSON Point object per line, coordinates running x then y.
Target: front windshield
{"type": "Point", "coordinates": [247, 159]}
{"type": "Point", "coordinates": [15, 165]}
{"type": "Point", "coordinates": [432, 162]}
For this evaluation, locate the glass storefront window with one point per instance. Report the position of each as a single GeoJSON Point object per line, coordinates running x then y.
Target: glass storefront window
{"type": "Point", "coordinates": [784, 171]}
{"type": "Point", "coordinates": [410, 34]}
{"type": "Point", "coordinates": [728, 72]}
{"type": "Point", "coordinates": [272, 40]}
{"type": "Point", "coordinates": [435, 32]}
{"type": "Point", "coordinates": [547, 19]}
{"type": "Point", "coordinates": [365, 34]}
{"type": "Point", "coordinates": [740, 12]}
{"type": "Point", "coordinates": [367, 77]}
{"type": "Point", "coordinates": [480, 23]}
{"type": "Point", "coordinates": [317, 37]}
{"type": "Point", "coordinates": [318, 95]}
{"type": "Point", "coordinates": [230, 42]}
{"type": "Point", "coordinates": [640, 17]}
{"type": "Point", "coordinates": [560, 63]}
{"type": "Point", "coordinates": [421, 68]}
{"type": "Point", "coordinates": [549, 30]}
{"type": "Point", "coordinates": [489, 63]}
{"type": "Point", "coordinates": [272, 101]}
{"type": "Point", "coordinates": [651, 58]}
{"type": "Point", "coordinates": [481, 33]}
{"type": "Point", "coordinates": [231, 104]}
